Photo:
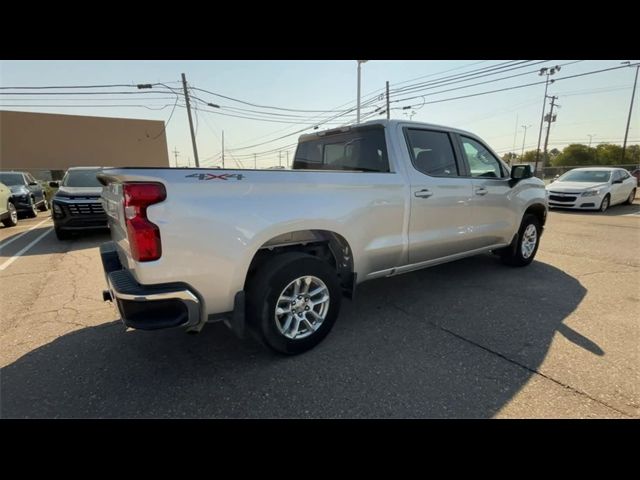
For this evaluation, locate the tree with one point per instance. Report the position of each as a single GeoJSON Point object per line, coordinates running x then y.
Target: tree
{"type": "Point", "coordinates": [609, 154]}
{"type": "Point", "coordinates": [529, 157]}
{"type": "Point", "coordinates": [574, 154]}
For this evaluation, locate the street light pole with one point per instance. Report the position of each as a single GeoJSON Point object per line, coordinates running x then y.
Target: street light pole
{"type": "Point", "coordinates": [360, 62]}
{"type": "Point", "coordinates": [523, 139]}
{"type": "Point", "coordinates": [633, 93]}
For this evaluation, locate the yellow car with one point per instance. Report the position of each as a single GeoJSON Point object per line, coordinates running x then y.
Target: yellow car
{"type": "Point", "coordinates": [8, 212]}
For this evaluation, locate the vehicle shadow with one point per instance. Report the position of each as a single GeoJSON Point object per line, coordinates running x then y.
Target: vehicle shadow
{"type": "Point", "coordinates": [454, 341]}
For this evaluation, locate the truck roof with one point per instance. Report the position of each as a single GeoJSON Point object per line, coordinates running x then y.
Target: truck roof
{"type": "Point", "coordinates": [384, 123]}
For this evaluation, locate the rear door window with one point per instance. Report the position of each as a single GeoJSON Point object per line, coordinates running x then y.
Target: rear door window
{"type": "Point", "coordinates": [432, 153]}
{"type": "Point", "coordinates": [360, 149]}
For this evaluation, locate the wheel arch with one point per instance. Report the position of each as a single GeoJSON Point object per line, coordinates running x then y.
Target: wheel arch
{"type": "Point", "coordinates": [328, 245]}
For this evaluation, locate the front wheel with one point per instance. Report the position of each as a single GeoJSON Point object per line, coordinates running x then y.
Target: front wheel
{"type": "Point", "coordinates": [605, 203]}
{"type": "Point", "coordinates": [631, 197]}
{"type": "Point", "coordinates": [44, 206]}
{"type": "Point", "coordinates": [293, 301]}
{"type": "Point", "coordinates": [12, 219]}
{"type": "Point", "coordinates": [527, 245]}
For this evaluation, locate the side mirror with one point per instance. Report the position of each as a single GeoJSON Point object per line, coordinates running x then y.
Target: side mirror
{"type": "Point", "coordinates": [617, 181]}
{"type": "Point", "coordinates": [54, 184]}
{"type": "Point", "coordinates": [33, 184]}
{"type": "Point", "coordinates": [519, 172]}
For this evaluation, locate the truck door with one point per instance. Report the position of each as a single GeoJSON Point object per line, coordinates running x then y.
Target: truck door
{"type": "Point", "coordinates": [440, 196]}
{"type": "Point", "coordinates": [493, 218]}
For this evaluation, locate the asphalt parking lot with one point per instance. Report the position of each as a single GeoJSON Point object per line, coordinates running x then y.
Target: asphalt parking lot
{"type": "Point", "coordinates": [471, 339]}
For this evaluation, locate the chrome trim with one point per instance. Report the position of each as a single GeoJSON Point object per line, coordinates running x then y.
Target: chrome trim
{"type": "Point", "coordinates": [186, 296]}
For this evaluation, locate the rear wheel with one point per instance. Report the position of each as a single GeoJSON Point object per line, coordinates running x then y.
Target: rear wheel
{"type": "Point", "coordinates": [44, 206]}
{"type": "Point", "coordinates": [631, 197]}
{"type": "Point", "coordinates": [293, 302]}
{"type": "Point", "coordinates": [12, 219]}
{"type": "Point", "coordinates": [523, 253]}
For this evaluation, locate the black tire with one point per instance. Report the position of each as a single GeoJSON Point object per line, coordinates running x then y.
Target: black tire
{"type": "Point", "coordinates": [632, 197]}
{"type": "Point", "coordinates": [514, 256]}
{"type": "Point", "coordinates": [62, 234]}
{"type": "Point", "coordinates": [33, 210]}
{"type": "Point", "coordinates": [264, 289]}
{"type": "Point", "coordinates": [44, 206]}
{"type": "Point", "coordinates": [12, 219]}
{"type": "Point", "coordinates": [605, 204]}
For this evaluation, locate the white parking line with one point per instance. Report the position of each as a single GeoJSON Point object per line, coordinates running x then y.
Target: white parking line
{"type": "Point", "coordinates": [3, 245]}
{"type": "Point", "coordinates": [17, 255]}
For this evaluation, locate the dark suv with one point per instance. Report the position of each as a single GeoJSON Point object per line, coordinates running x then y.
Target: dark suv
{"type": "Point", "coordinates": [27, 194]}
{"type": "Point", "coordinates": [77, 205]}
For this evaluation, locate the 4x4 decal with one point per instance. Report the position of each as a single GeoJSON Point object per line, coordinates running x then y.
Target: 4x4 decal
{"type": "Point", "coordinates": [211, 176]}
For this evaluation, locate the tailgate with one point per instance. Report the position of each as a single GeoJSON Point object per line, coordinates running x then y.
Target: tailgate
{"type": "Point", "coordinates": [112, 202]}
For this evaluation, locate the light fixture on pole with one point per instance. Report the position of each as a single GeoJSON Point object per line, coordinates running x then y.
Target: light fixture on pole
{"type": "Point", "coordinates": [360, 62]}
{"type": "Point", "coordinates": [548, 72]}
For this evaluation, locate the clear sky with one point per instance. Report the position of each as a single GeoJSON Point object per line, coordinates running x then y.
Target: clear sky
{"type": "Point", "coordinates": [595, 105]}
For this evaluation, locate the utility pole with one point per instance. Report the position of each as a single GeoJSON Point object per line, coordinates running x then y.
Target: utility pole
{"type": "Point", "coordinates": [193, 135]}
{"type": "Point", "coordinates": [222, 148]}
{"type": "Point", "coordinates": [523, 138]}
{"type": "Point", "coordinates": [388, 112]}
{"type": "Point", "coordinates": [633, 93]}
{"type": "Point", "coordinates": [590, 137]}
{"type": "Point", "coordinates": [551, 119]}
{"type": "Point", "coordinates": [255, 162]}
{"type": "Point", "coordinates": [360, 62]}
{"type": "Point", "coordinates": [548, 72]}
{"type": "Point", "coordinates": [175, 155]}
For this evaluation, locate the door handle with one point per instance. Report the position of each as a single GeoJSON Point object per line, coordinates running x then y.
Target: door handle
{"type": "Point", "coordinates": [481, 191]}
{"type": "Point", "coordinates": [423, 193]}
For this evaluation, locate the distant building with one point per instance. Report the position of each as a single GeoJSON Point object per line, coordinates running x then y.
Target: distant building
{"type": "Point", "coordinates": [47, 144]}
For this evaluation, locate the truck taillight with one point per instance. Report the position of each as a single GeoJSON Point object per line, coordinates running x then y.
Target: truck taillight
{"type": "Point", "coordinates": [144, 236]}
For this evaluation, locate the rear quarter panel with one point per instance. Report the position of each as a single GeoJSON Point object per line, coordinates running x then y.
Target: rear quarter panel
{"type": "Point", "coordinates": [212, 227]}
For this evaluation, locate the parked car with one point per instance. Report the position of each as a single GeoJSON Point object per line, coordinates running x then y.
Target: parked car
{"type": "Point", "coordinates": [28, 195]}
{"type": "Point", "coordinates": [76, 204]}
{"type": "Point", "coordinates": [592, 188]}
{"type": "Point", "coordinates": [8, 212]}
{"type": "Point", "coordinates": [275, 250]}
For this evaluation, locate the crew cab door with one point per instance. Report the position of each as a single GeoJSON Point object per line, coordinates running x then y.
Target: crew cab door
{"type": "Point", "coordinates": [493, 216]}
{"type": "Point", "coordinates": [440, 196]}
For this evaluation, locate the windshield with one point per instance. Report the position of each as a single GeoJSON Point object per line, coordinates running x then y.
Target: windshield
{"type": "Point", "coordinates": [586, 176]}
{"type": "Point", "coordinates": [11, 179]}
{"type": "Point", "coordinates": [81, 178]}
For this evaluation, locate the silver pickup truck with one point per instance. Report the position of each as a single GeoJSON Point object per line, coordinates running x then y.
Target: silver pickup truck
{"type": "Point", "coordinates": [273, 252]}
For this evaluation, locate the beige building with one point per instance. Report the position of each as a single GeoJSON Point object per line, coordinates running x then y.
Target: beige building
{"type": "Point", "coordinates": [45, 142]}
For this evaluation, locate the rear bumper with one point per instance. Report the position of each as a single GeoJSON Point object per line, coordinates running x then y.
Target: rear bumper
{"type": "Point", "coordinates": [148, 307]}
